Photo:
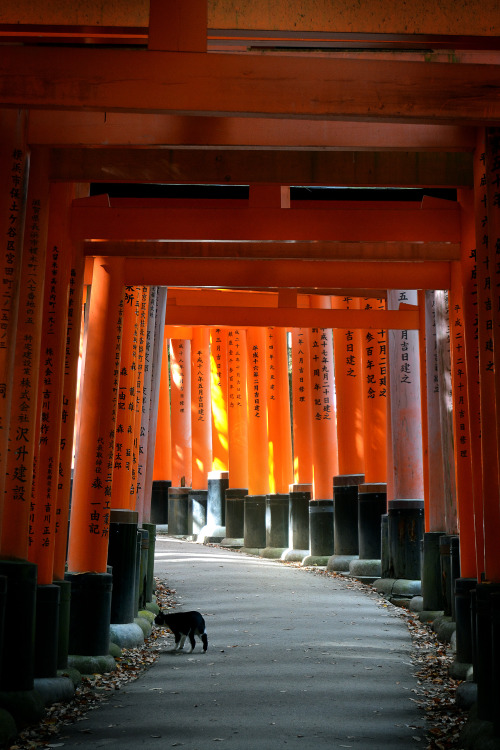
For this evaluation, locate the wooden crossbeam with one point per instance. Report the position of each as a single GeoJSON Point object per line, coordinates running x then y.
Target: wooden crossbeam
{"type": "Point", "coordinates": [291, 86]}
{"type": "Point", "coordinates": [344, 224]}
{"type": "Point", "coordinates": [243, 167]}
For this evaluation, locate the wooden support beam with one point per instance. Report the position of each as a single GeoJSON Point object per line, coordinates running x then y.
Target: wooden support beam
{"type": "Point", "coordinates": [290, 86]}
{"type": "Point", "coordinates": [292, 317]}
{"type": "Point", "coordinates": [331, 250]}
{"type": "Point", "coordinates": [345, 224]}
{"type": "Point", "coordinates": [228, 166]}
{"type": "Point", "coordinates": [123, 128]}
{"type": "Point", "coordinates": [295, 274]}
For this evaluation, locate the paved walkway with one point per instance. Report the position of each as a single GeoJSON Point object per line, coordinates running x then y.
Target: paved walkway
{"type": "Point", "coordinates": [294, 659]}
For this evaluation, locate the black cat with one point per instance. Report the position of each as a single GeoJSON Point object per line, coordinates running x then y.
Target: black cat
{"type": "Point", "coordinates": [184, 625]}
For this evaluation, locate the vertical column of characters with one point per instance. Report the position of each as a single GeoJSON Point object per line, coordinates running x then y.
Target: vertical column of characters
{"type": "Point", "coordinates": [492, 497]}
{"type": "Point", "coordinates": [237, 409]}
{"type": "Point", "coordinates": [470, 202]}
{"type": "Point", "coordinates": [274, 437]}
{"type": "Point", "coordinates": [406, 417]}
{"type": "Point", "coordinates": [180, 367]}
{"type": "Point", "coordinates": [374, 363]}
{"type": "Point", "coordinates": [258, 453]}
{"type": "Point", "coordinates": [139, 386]}
{"type": "Point", "coordinates": [146, 398]}
{"type": "Point", "coordinates": [285, 477]}
{"type": "Point", "coordinates": [92, 485]}
{"type": "Point", "coordinates": [461, 428]}
{"type": "Point", "coordinates": [348, 384]}
{"type": "Point", "coordinates": [324, 429]}
{"type": "Point", "coordinates": [201, 421]}
{"type": "Point", "coordinates": [18, 517]}
{"type": "Point", "coordinates": [14, 165]}
{"type": "Point", "coordinates": [219, 390]}
{"type": "Point", "coordinates": [301, 406]}
{"type": "Point", "coordinates": [124, 470]}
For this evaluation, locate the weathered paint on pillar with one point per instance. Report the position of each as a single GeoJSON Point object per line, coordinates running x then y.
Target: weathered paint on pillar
{"type": "Point", "coordinates": [70, 377]}
{"type": "Point", "coordinates": [14, 166]}
{"type": "Point", "coordinates": [405, 406]}
{"type": "Point", "coordinates": [237, 408]}
{"type": "Point", "coordinates": [301, 407]}
{"type": "Point", "coordinates": [324, 432]}
{"type": "Point", "coordinates": [162, 468]}
{"type": "Point", "coordinates": [278, 407]}
{"type": "Point", "coordinates": [125, 458]}
{"type": "Point", "coordinates": [17, 532]}
{"type": "Point", "coordinates": [161, 303]}
{"type": "Point", "coordinates": [461, 428]}
{"type": "Point", "coordinates": [468, 274]}
{"type": "Point", "coordinates": [180, 379]}
{"type": "Point", "coordinates": [139, 385]}
{"type": "Point", "coordinates": [375, 366]}
{"type": "Point", "coordinates": [348, 386]}
{"type": "Point", "coordinates": [201, 416]}
{"type": "Point", "coordinates": [258, 455]}
{"type": "Point", "coordinates": [219, 391]}
{"type": "Point", "coordinates": [92, 485]}
{"type": "Point", "coordinates": [44, 510]}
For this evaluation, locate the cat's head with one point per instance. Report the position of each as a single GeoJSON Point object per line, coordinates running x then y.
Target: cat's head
{"type": "Point", "coordinates": [160, 618]}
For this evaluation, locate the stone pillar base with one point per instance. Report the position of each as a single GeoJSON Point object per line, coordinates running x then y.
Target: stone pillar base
{"type": "Point", "coordinates": [366, 571]}
{"type": "Point", "coordinates": [340, 563]}
{"type": "Point", "coordinates": [321, 528]}
{"type": "Point", "coordinates": [294, 555]}
{"type": "Point", "coordinates": [255, 522]}
{"type": "Point", "coordinates": [178, 511]}
{"type": "Point", "coordinates": [17, 664]}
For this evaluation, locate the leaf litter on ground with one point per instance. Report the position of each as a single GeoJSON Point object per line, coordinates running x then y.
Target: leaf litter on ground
{"type": "Point", "coordinates": [435, 690]}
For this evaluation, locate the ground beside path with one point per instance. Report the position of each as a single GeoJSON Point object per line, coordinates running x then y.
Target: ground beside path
{"type": "Point", "coordinates": [294, 659]}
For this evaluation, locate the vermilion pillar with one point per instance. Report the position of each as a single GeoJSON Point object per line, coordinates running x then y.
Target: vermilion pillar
{"type": "Point", "coordinates": [278, 406]}
{"type": "Point", "coordinates": [17, 532]}
{"type": "Point", "coordinates": [488, 245]}
{"type": "Point", "coordinates": [258, 455]}
{"type": "Point", "coordinates": [469, 378]}
{"type": "Point", "coordinates": [302, 407]}
{"type": "Point", "coordinates": [146, 400]}
{"type": "Point", "coordinates": [161, 303]}
{"type": "Point", "coordinates": [44, 508]}
{"type": "Point", "coordinates": [436, 517]}
{"type": "Point", "coordinates": [218, 359]}
{"type": "Point", "coordinates": [180, 379]}
{"type": "Point", "coordinates": [14, 163]}
{"type": "Point", "coordinates": [406, 506]}
{"type": "Point", "coordinates": [201, 422]}
{"type": "Point", "coordinates": [70, 376]}
{"type": "Point", "coordinates": [125, 458]}
{"type": "Point", "coordinates": [461, 425]}
{"type": "Point", "coordinates": [162, 469]}
{"type": "Point", "coordinates": [91, 500]}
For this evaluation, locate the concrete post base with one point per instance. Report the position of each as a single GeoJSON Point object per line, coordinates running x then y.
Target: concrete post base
{"type": "Point", "coordinates": [273, 553]}
{"type": "Point", "coordinates": [321, 528]}
{"type": "Point", "coordinates": [294, 555]}
{"type": "Point", "coordinates": [398, 590]}
{"type": "Point", "coordinates": [340, 563]}
{"type": "Point", "coordinates": [218, 483]}
{"type": "Point", "coordinates": [235, 512]}
{"type": "Point", "coordinates": [431, 572]}
{"type": "Point", "coordinates": [232, 542]}
{"type": "Point", "coordinates": [320, 561]}
{"type": "Point", "coordinates": [211, 534]}
{"type": "Point", "coordinates": [366, 571]}
{"type": "Point", "coordinates": [255, 522]}
{"type": "Point", "coordinates": [122, 559]}
{"type": "Point", "coordinates": [197, 511]}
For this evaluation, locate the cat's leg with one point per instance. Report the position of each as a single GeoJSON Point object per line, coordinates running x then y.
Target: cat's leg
{"type": "Point", "coordinates": [192, 640]}
{"type": "Point", "coordinates": [183, 638]}
{"type": "Point", "coordinates": [177, 639]}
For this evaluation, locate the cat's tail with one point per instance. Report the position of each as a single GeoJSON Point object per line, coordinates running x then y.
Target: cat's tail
{"type": "Point", "coordinates": [205, 641]}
